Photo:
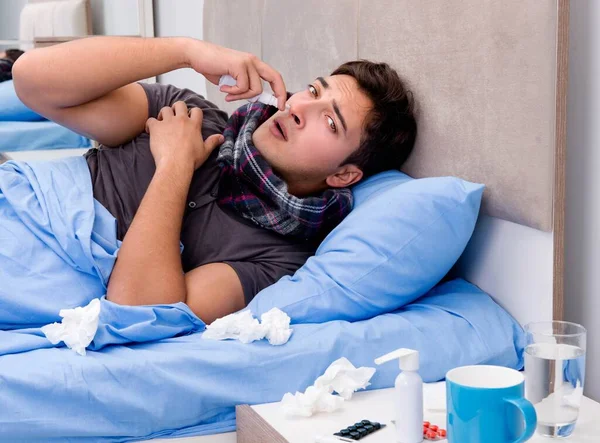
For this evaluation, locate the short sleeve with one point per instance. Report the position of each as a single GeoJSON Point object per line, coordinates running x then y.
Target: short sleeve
{"type": "Point", "coordinates": [160, 95]}
{"type": "Point", "coordinates": [256, 276]}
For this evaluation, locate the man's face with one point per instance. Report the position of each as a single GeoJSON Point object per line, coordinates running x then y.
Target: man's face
{"type": "Point", "coordinates": [320, 130]}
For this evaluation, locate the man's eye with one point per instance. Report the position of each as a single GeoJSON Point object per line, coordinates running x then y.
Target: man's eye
{"type": "Point", "coordinates": [332, 124]}
{"type": "Point", "coordinates": [312, 90]}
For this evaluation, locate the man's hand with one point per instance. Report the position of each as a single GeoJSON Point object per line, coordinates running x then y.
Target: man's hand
{"type": "Point", "coordinates": [213, 61]}
{"type": "Point", "coordinates": [175, 137]}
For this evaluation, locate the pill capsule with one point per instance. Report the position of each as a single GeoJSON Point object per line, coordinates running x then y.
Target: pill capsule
{"type": "Point", "coordinates": [442, 433]}
{"type": "Point", "coordinates": [376, 425]}
{"type": "Point", "coordinates": [434, 428]}
{"type": "Point", "coordinates": [426, 424]}
{"type": "Point", "coordinates": [366, 422]}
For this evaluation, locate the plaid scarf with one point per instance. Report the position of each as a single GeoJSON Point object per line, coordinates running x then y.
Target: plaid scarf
{"type": "Point", "coordinates": [249, 185]}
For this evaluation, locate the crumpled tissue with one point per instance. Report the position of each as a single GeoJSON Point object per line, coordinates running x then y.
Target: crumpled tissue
{"type": "Point", "coordinates": [242, 326]}
{"type": "Point", "coordinates": [77, 328]}
{"type": "Point", "coordinates": [341, 377]}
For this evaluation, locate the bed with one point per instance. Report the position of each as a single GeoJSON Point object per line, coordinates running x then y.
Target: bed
{"type": "Point", "coordinates": [462, 61]}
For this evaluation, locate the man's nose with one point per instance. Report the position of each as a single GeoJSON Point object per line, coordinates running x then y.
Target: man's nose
{"type": "Point", "coordinates": [298, 112]}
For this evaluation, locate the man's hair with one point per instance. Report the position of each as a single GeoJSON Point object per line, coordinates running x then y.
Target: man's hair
{"type": "Point", "coordinates": [390, 127]}
{"type": "Point", "coordinates": [13, 54]}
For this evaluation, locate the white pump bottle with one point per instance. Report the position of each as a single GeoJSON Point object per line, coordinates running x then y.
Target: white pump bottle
{"type": "Point", "coordinates": [409, 395]}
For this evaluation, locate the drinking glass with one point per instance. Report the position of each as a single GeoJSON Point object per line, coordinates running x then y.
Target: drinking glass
{"type": "Point", "coordinates": [554, 374]}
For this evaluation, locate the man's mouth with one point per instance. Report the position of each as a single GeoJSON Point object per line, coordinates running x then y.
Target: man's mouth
{"type": "Point", "coordinates": [278, 130]}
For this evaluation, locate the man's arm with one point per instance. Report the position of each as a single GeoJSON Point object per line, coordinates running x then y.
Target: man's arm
{"type": "Point", "coordinates": [214, 291]}
{"type": "Point", "coordinates": [88, 84]}
{"type": "Point", "coordinates": [148, 268]}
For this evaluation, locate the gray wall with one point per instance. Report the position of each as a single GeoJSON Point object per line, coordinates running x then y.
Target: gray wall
{"type": "Point", "coordinates": [180, 18]}
{"type": "Point", "coordinates": [115, 17]}
{"type": "Point", "coordinates": [582, 279]}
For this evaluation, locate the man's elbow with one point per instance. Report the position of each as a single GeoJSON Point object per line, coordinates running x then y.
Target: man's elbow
{"type": "Point", "coordinates": [22, 74]}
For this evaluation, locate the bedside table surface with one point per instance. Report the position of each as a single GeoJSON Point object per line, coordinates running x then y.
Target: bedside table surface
{"type": "Point", "coordinates": [377, 405]}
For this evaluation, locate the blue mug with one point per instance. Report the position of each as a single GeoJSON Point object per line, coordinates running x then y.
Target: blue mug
{"type": "Point", "coordinates": [487, 404]}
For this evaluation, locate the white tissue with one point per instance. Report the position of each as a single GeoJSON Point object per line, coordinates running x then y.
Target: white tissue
{"type": "Point", "coordinates": [77, 328]}
{"type": "Point", "coordinates": [311, 401]}
{"type": "Point", "coordinates": [341, 377]}
{"type": "Point", "coordinates": [244, 327]}
{"type": "Point", "coordinates": [276, 324]}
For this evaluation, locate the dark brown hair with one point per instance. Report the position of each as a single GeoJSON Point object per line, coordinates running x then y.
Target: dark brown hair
{"type": "Point", "coordinates": [13, 54]}
{"type": "Point", "coordinates": [390, 127]}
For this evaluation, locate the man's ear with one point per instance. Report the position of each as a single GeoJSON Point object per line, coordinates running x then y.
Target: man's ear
{"type": "Point", "coordinates": [345, 176]}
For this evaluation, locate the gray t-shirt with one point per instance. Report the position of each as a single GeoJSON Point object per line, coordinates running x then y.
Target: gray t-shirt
{"type": "Point", "coordinates": [210, 234]}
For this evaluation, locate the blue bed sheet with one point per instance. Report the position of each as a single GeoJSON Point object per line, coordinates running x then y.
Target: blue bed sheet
{"type": "Point", "coordinates": [189, 386]}
{"type": "Point", "coordinates": [36, 135]}
{"type": "Point", "coordinates": [149, 372]}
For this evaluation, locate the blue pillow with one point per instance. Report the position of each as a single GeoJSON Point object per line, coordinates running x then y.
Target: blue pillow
{"type": "Point", "coordinates": [399, 241]}
{"type": "Point", "coordinates": [13, 109]}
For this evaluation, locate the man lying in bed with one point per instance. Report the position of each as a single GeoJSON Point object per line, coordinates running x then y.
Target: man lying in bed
{"type": "Point", "coordinates": [248, 207]}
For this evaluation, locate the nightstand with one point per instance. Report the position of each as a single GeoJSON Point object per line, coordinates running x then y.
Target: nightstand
{"type": "Point", "coordinates": [266, 423]}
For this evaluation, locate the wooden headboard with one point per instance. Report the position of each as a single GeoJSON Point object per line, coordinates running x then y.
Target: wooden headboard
{"type": "Point", "coordinates": [490, 82]}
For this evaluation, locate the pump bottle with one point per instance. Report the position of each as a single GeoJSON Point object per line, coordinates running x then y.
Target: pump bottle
{"type": "Point", "coordinates": [408, 396]}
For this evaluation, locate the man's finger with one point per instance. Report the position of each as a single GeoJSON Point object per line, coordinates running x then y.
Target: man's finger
{"type": "Point", "coordinates": [165, 113]}
{"type": "Point", "coordinates": [256, 86]}
{"type": "Point", "coordinates": [196, 115]}
{"type": "Point", "coordinates": [213, 141]}
{"type": "Point", "coordinates": [149, 123]}
{"type": "Point", "coordinates": [241, 81]}
{"type": "Point", "coordinates": [180, 108]}
{"type": "Point", "coordinates": [275, 80]}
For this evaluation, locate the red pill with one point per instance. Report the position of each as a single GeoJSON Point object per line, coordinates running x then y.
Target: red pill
{"type": "Point", "coordinates": [431, 435]}
{"type": "Point", "coordinates": [442, 432]}
{"type": "Point", "coordinates": [426, 424]}
{"type": "Point", "coordinates": [434, 428]}
{"type": "Point", "coordinates": [425, 430]}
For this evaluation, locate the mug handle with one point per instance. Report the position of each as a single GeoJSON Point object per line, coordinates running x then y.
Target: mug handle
{"type": "Point", "coordinates": [529, 415]}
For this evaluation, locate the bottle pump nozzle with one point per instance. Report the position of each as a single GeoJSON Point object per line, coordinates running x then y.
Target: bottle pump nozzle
{"type": "Point", "coordinates": [408, 359]}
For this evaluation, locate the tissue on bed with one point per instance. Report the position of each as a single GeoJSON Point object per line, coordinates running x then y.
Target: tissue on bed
{"type": "Point", "coordinates": [77, 328]}
{"type": "Point", "coordinates": [242, 326]}
{"type": "Point", "coordinates": [103, 323]}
